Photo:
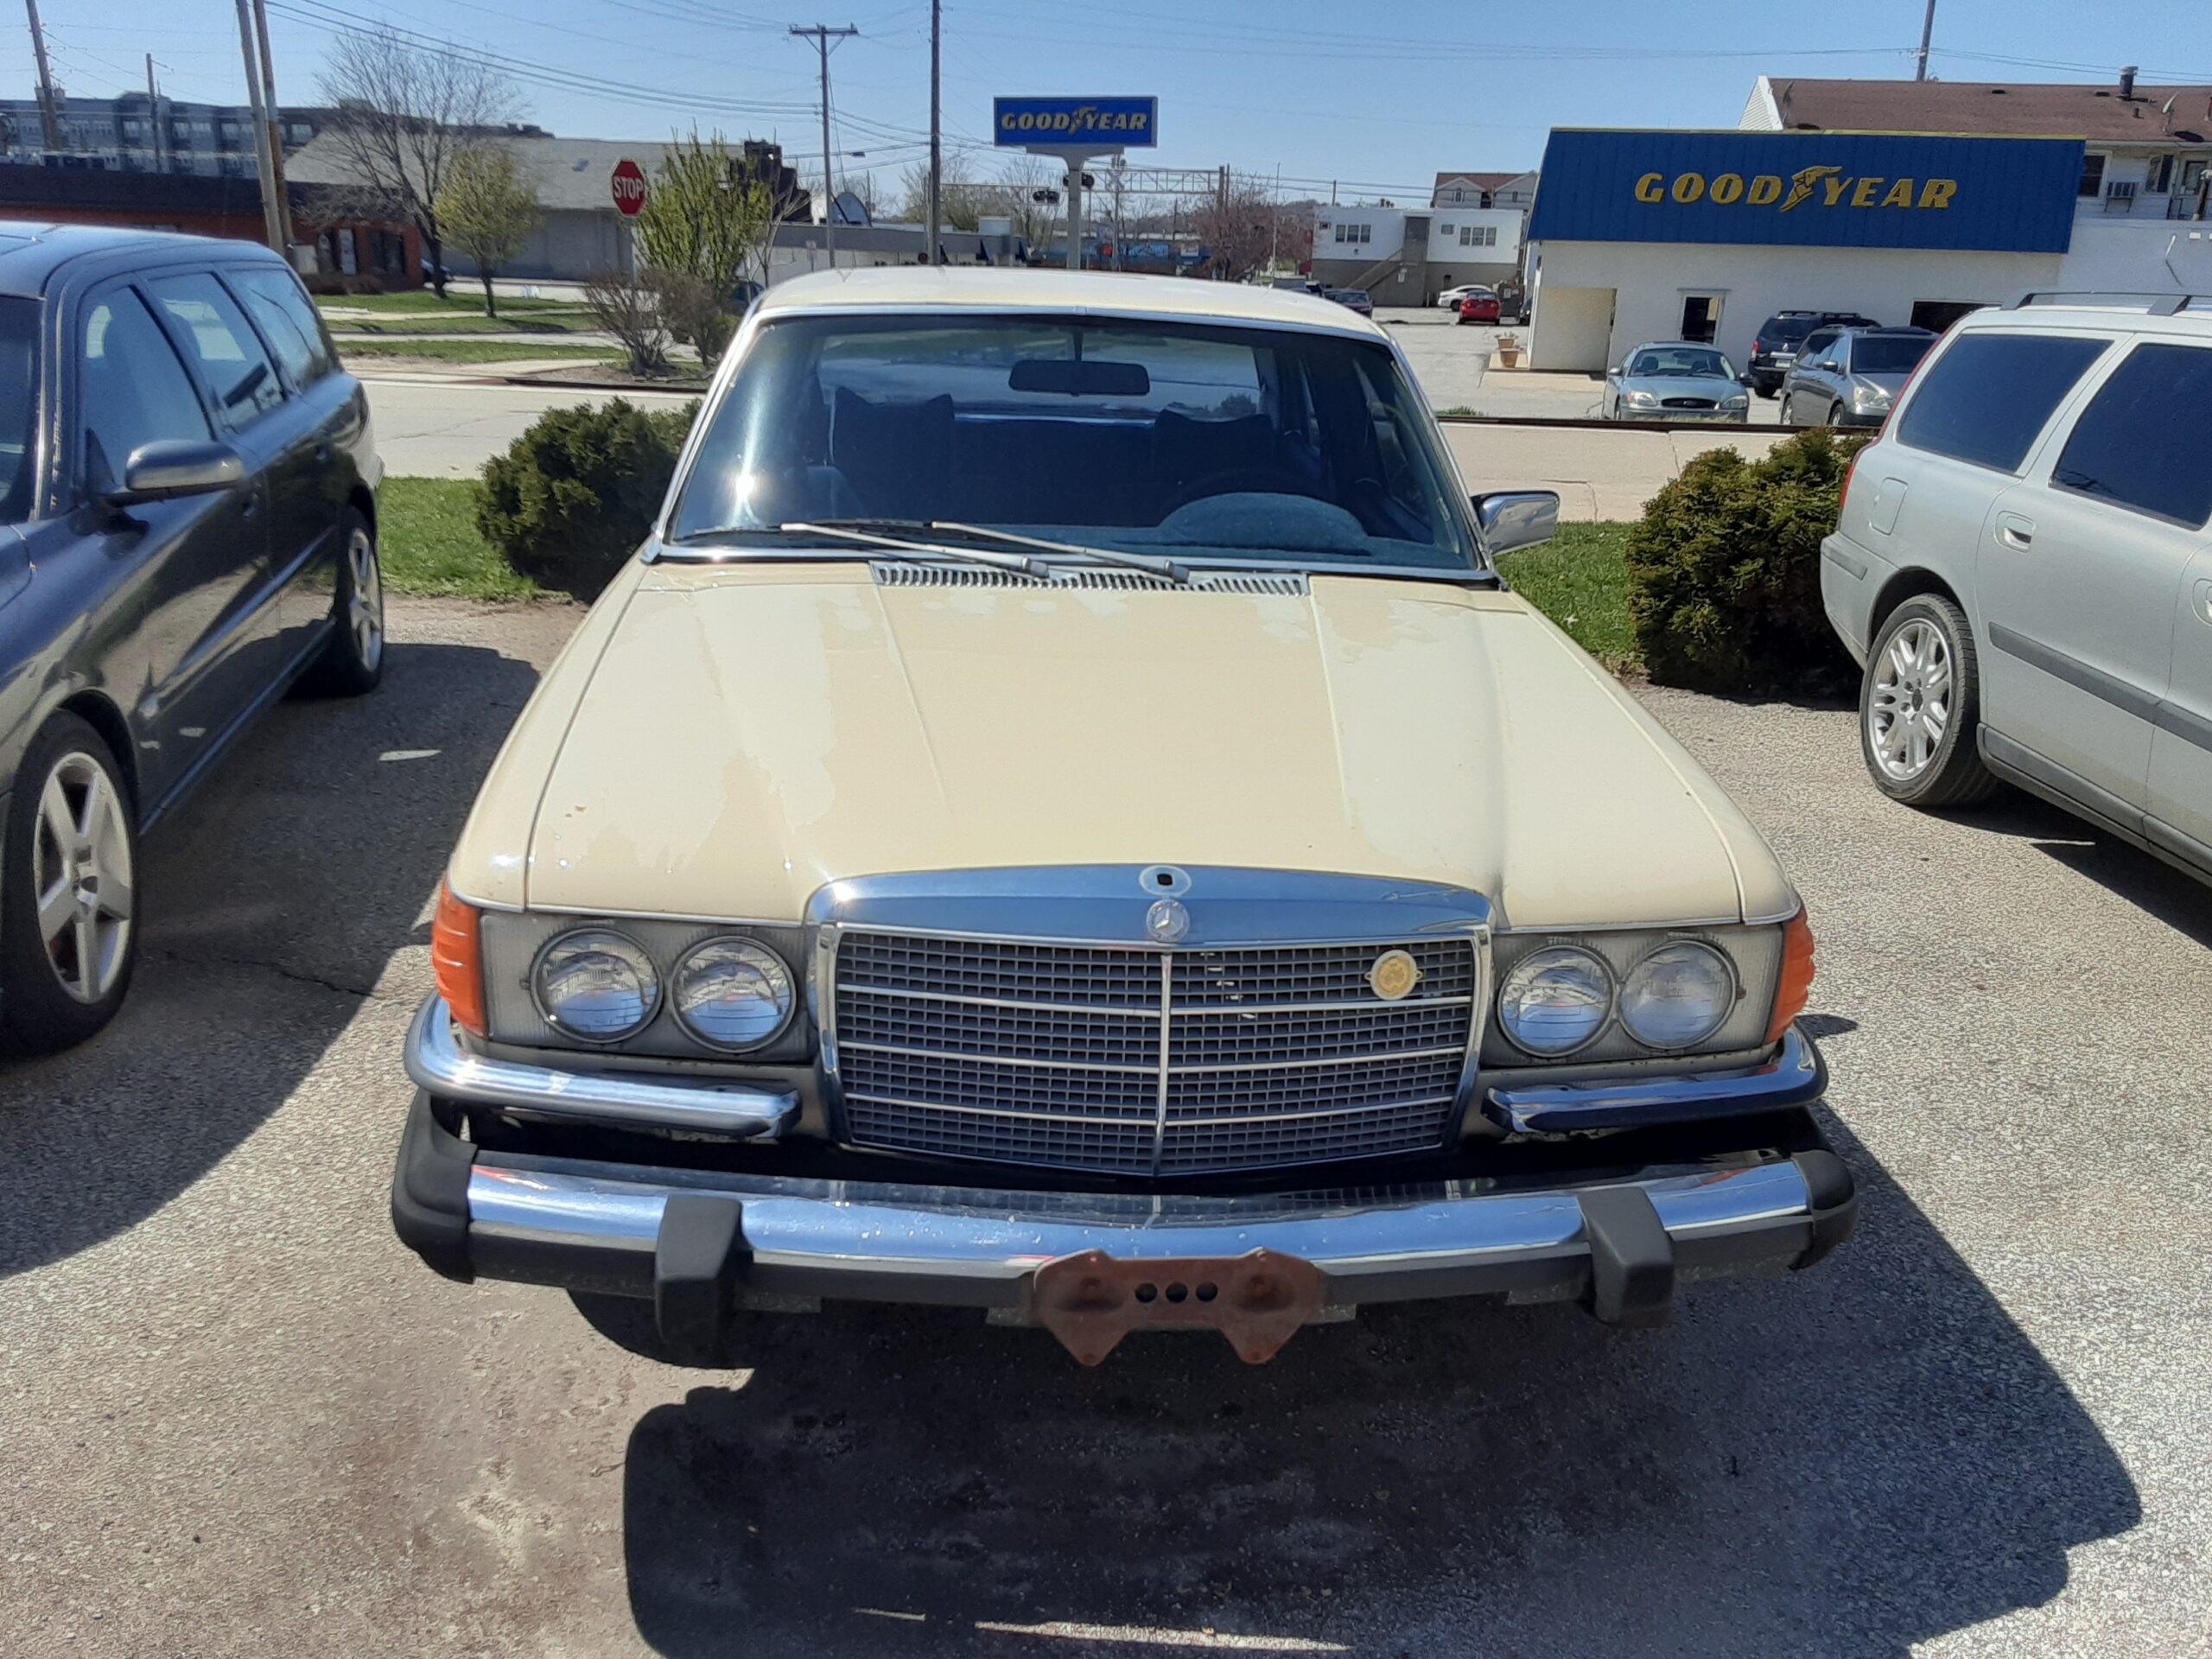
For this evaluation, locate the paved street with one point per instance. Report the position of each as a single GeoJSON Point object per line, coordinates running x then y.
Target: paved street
{"type": "Point", "coordinates": [240, 1419]}
{"type": "Point", "coordinates": [447, 426]}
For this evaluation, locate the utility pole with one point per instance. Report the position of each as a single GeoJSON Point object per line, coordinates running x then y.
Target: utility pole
{"type": "Point", "coordinates": [822, 35]}
{"type": "Point", "coordinates": [48, 116]}
{"type": "Point", "coordinates": [154, 113]}
{"type": "Point", "coordinates": [1274, 223]}
{"type": "Point", "coordinates": [272, 227]}
{"type": "Point", "coordinates": [275, 130]}
{"type": "Point", "coordinates": [936, 154]}
{"type": "Point", "coordinates": [1927, 32]}
{"type": "Point", "coordinates": [1220, 225]}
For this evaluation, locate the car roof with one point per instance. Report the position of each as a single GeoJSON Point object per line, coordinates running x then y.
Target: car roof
{"type": "Point", "coordinates": [1671, 345]}
{"type": "Point", "coordinates": [2188, 317]}
{"type": "Point", "coordinates": [32, 252]}
{"type": "Point", "coordinates": [1888, 328]}
{"type": "Point", "coordinates": [1181, 299]}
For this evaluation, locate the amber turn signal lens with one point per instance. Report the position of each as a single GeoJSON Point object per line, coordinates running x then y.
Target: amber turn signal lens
{"type": "Point", "coordinates": [1795, 987]}
{"type": "Point", "coordinates": [457, 962]}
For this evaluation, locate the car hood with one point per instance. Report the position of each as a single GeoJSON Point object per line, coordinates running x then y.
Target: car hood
{"type": "Point", "coordinates": [1682, 385]}
{"type": "Point", "coordinates": [721, 741]}
{"type": "Point", "coordinates": [1890, 384]}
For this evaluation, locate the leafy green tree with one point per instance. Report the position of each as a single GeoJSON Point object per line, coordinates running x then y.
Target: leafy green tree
{"type": "Point", "coordinates": [708, 218]}
{"type": "Point", "coordinates": [487, 210]}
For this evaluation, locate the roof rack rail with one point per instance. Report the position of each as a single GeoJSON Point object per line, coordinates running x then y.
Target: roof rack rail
{"type": "Point", "coordinates": [2156, 305]}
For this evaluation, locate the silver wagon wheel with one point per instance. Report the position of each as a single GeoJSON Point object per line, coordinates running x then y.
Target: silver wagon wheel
{"type": "Point", "coordinates": [81, 876]}
{"type": "Point", "coordinates": [1910, 709]}
{"type": "Point", "coordinates": [365, 598]}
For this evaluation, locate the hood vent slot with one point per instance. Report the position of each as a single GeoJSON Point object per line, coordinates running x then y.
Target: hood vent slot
{"type": "Point", "coordinates": [900, 573]}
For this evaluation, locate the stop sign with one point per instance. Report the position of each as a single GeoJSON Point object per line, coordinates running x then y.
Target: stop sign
{"type": "Point", "coordinates": [629, 186]}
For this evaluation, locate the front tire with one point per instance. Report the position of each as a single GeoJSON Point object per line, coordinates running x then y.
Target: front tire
{"type": "Point", "coordinates": [1920, 707]}
{"type": "Point", "coordinates": [68, 895]}
{"type": "Point", "coordinates": [352, 662]}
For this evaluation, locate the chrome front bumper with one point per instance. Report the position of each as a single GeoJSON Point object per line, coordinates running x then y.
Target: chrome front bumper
{"type": "Point", "coordinates": [700, 1244]}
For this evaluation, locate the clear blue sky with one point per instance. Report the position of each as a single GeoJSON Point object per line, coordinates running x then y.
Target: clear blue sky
{"type": "Point", "coordinates": [1259, 84]}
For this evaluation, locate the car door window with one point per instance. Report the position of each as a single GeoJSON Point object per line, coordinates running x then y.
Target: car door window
{"type": "Point", "coordinates": [135, 391]}
{"type": "Point", "coordinates": [238, 371]}
{"type": "Point", "coordinates": [1985, 400]}
{"type": "Point", "coordinates": [2143, 444]}
{"type": "Point", "coordinates": [1815, 347]}
{"type": "Point", "coordinates": [287, 319]}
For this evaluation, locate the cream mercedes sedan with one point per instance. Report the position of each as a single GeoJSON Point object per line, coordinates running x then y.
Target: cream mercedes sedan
{"type": "Point", "coordinates": [1063, 817]}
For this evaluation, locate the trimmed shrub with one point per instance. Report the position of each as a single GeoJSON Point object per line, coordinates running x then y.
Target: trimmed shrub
{"type": "Point", "coordinates": [1724, 570]}
{"type": "Point", "coordinates": [573, 496]}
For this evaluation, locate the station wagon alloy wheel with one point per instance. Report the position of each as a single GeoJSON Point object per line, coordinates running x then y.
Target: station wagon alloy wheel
{"type": "Point", "coordinates": [1908, 707]}
{"type": "Point", "coordinates": [81, 875]}
{"type": "Point", "coordinates": [365, 598]}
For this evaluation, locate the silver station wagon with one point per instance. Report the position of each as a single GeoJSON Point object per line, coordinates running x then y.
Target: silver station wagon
{"type": "Point", "coordinates": [2023, 566]}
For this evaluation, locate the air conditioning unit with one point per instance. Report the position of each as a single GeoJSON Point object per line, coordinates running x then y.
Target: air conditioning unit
{"type": "Point", "coordinates": [2119, 196]}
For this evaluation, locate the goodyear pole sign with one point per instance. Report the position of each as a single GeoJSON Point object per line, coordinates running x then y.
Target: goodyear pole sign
{"type": "Point", "coordinates": [1095, 123]}
{"type": "Point", "coordinates": [1809, 189]}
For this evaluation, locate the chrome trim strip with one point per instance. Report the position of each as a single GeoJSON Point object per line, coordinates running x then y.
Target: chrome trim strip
{"type": "Point", "coordinates": [868, 1234]}
{"type": "Point", "coordinates": [437, 1062]}
{"type": "Point", "coordinates": [1122, 1010]}
{"type": "Point", "coordinates": [1379, 1058]}
{"type": "Point", "coordinates": [1793, 1076]}
{"type": "Point", "coordinates": [1165, 1064]}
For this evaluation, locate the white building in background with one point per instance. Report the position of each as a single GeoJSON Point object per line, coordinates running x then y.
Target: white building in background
{"type": "Point", "coordinates": [1408, 256]}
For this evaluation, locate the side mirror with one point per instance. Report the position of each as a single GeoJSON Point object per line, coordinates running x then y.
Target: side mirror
{"type": "Point", "coordinates": [173, 466]}
{"type": "Point", "coordinates": [1517, 518]}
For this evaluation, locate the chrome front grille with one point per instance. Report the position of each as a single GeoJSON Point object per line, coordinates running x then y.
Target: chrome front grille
{"type": "Point", "coordinates": [1143, 1061]}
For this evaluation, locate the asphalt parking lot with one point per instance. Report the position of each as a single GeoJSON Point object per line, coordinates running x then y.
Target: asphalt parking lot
{"type": "Point", "coordinates": [239, 1418]}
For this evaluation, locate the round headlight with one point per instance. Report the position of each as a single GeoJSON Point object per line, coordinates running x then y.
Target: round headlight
{"type": "Point", "coordinates": [1677, 995]}
{"type": "Point", "coordinates": [595, 984]}
{"type": "Point", "coordinates": [734, 994]}
{"type": "Point", "coordinates": [1555, 1000]}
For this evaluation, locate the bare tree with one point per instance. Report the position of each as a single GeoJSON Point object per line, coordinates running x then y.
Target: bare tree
{"type": "Point", "coordinates": [625, 308]}
{"type": "Point", "coordinates": [1238, 224]}
{"type": "Point", "coordinates": [1022, 178]}
{"type": "Point", "coordinates": [404, 113]}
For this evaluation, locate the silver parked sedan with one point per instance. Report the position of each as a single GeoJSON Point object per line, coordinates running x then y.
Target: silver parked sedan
{"type": "Point", "coordinates": [1676, 380]}
{"type": "Point", "coordinates": [1851, 379]}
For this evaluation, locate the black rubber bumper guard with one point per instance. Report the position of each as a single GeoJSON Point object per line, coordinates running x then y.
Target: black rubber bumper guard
{"type": "Point", "coordinates": [700, 1254]}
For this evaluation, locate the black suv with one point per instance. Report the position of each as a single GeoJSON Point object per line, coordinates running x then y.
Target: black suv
{"type": "Point", "coordinates": [1775, 347]}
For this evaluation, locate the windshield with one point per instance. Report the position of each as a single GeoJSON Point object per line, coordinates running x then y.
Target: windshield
{"type": "Point", "coordinates": [1692, 361]}
{"type": "Point", "coordinates": [18, 418]}
{"type": "Point", "coordinates": [1889, 354]}
{"type": "Point", "coordinates": [1133, 434]}
{"type": "Point", "coordinates": [1787, 330]}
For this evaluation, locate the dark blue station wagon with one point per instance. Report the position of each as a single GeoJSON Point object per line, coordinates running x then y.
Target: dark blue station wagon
{"type": "Point", "coordinates": [187, 527]}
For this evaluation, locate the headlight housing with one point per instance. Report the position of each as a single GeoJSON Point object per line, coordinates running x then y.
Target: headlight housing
{"type": "Point", "coordinates": [1677, 994]}
{"type": "Point", "coordinates": [1643, 400]}
{"type": "Point", "coordinates": [1866, 397]}
{"type": "Point", "coordinates": [726, 1004]}
{"type": "Point", "coordinates": [731, 993]}
{"type": "Point", "coordinates": [1740, 401]}
{"type": "Point", "coordinates": [595, 984]}
{"type": "Point", "coordinates": [1555, 1001]}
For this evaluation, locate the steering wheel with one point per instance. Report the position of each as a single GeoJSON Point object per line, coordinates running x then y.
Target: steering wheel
{"type": "Point", "coordinates": [1234, 480]}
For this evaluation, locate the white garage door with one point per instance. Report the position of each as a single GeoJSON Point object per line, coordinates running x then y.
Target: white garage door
{"type": "Point", "coordinates": [1573, 327]}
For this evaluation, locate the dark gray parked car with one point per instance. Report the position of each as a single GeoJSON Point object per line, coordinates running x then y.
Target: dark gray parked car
{"type": "Point", "coordinates": [188, 481]}
{"type": "Point", "coordinates": [1849, 376]}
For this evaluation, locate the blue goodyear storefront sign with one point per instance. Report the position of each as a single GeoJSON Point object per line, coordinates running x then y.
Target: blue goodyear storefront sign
{"type": "Point", "coordinates": [1809, 190]}
{"type": "Point", "coordinates": [1109, 123]}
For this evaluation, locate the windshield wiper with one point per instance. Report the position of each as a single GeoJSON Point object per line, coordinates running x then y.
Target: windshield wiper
{"type": "Point", "coordinates": [1169, 569]}
{"type": "Point", "coordinates": [859, 530]}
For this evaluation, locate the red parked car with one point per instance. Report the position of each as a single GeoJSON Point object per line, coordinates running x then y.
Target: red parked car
{"type": "Point", "coordinates": [1479, 307]}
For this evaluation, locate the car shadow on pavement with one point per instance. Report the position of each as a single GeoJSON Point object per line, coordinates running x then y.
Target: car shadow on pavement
{"type": "Point", "coordinates": [1850, 1460]}
{"type": "Point", "coordinates": [2143, 880]}
{"type": "Point", "coordinates": [271, 903]}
